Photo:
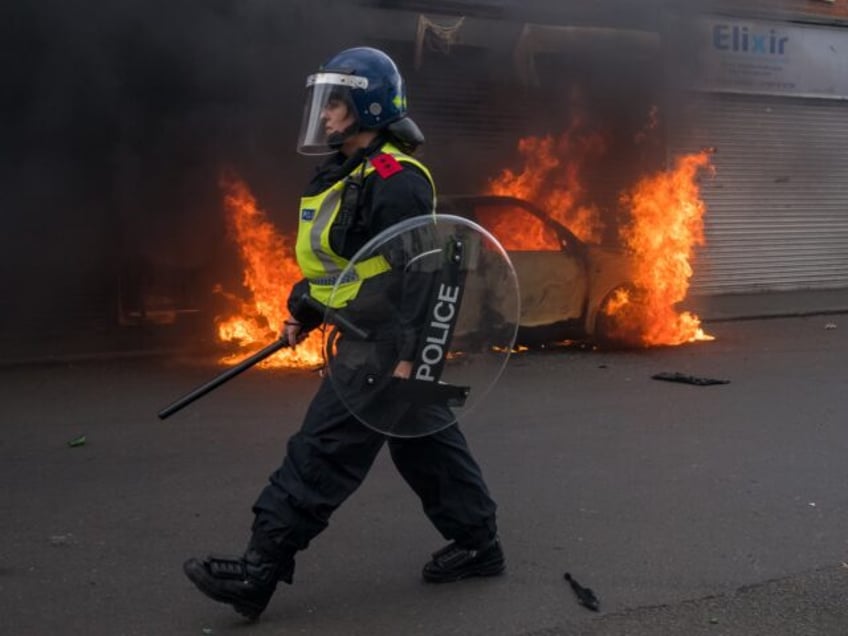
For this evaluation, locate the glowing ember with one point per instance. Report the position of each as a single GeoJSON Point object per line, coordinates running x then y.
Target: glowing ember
{"type": "Point", "coordinates": [666, 223]}
{"type": "Point", "coordinates": [269, 272]}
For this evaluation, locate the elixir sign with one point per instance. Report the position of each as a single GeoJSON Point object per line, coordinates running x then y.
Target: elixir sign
{"type": "Point", "coordinates": [748, 56]}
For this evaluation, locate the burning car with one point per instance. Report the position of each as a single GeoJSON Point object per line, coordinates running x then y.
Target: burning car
{"type": "Point", "coordinates": [571, 289]}
{"type": "Point", "coordinates": [566, 285]}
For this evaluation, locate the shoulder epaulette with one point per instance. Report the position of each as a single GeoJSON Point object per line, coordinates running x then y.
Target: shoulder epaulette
{"type": "Point", "coordinates": [385, 165]}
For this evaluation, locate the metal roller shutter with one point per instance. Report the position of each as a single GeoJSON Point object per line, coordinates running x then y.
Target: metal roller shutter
{"type": "Point", "coordinates": [470, 121]}
{"type": "Point", "coordinates": [777, 208]}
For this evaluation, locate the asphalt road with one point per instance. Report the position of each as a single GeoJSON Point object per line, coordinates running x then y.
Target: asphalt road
{"type": "Point", "coordinates": [689, 510]}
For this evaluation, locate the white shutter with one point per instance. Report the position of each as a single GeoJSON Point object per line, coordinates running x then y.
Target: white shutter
{"type": "Point", "coordinates": [777, 208]}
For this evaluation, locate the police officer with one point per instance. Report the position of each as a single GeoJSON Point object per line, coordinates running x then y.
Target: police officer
{"type": "Point", "coordinates": [356, 110]}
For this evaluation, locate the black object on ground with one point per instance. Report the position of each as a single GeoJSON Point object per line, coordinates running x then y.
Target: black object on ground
{"type": "Point", "coordinates": [687, 379]}
{"type": "Point", "coordinates": [585, 596]}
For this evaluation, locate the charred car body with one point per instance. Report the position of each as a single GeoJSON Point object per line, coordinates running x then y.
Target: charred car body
{"type": "Point", "coordinates": [565, 286]}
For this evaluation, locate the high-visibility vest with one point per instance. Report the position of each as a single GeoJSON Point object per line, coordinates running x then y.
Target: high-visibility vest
{"type": "Point", "coordinates": [320, 265]}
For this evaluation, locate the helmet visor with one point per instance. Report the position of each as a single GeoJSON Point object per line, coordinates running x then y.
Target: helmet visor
{"type": "Point", "coordinates": [323, 92]}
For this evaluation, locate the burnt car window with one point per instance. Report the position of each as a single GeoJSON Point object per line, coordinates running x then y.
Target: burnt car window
{"type": "Point", "coordinates": [516, 228]}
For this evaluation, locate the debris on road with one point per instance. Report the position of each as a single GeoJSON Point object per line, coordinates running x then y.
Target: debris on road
{"type": "Point", "coordinates": [687, 379]}
{"type": "Point", "coordinates": [77, 441]}
{"type": "Point", "coordinates": [60, 540]}
{"type": "Point", "coordinates": [585, 596]}
{"type": "Point", "coordinates": [830, 325]}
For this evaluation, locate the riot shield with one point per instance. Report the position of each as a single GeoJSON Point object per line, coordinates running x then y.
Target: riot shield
{"type": "Point", "coordinates": [436, 325]}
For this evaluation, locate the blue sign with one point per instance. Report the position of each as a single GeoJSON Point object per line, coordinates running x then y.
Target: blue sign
{"type": "Point", "coordinates": [741, 38]}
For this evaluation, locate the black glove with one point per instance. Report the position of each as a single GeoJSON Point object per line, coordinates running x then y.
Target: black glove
{"type": "Point", "coordinates": [308, 316]}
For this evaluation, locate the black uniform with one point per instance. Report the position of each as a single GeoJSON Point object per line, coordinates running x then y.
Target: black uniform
{"type": "Point", "coordinates": [330, 456]}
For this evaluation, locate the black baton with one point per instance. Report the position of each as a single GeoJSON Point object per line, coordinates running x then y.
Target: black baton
{"type": "Point", "coordinates": [217, 381]}
{"type": "Point", "coordinates": [332, 315]}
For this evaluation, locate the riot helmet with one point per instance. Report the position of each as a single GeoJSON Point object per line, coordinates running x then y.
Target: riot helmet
{"type": "Point", "coordinates": [364, 80]}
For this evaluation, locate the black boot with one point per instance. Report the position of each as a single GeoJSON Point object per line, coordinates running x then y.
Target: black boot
{"type": "Point", "coordinates": [247, 583]}
{"type": "Point", "coordinates": [453, 563]}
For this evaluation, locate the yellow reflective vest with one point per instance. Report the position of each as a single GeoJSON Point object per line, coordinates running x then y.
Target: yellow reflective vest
{"type": "Point", "coordinates": [322, 267]}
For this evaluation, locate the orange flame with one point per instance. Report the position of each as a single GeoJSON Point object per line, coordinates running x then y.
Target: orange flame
{"type": "Point", "coordinates": [269, 272]}
{"type": "Point", "coordinates": [666, 223]}
{"type": "Point", "coordinates": [551, 178]}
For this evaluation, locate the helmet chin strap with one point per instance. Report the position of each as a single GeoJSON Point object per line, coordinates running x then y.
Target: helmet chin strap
{"type": "Point", "coordinates": [336, 140]}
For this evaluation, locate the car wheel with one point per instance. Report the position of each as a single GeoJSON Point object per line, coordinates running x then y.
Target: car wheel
{"type": "Point", "coordinates": [618, 323]}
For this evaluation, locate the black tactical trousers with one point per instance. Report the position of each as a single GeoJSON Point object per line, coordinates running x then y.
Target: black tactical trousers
{"type": "Point", "coordinates": [328, 459]}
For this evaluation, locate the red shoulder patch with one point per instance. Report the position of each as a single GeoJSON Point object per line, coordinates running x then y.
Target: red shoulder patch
{"type": "Point", "coordinates": [385, 165]}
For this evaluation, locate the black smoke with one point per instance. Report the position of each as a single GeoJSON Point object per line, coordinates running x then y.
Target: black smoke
{"type": "Point", "coordinates": [118, 117]}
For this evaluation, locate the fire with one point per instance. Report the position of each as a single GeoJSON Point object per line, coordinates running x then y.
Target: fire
{"type": "Point", "coordinates": [666, 222]}
{"type": "Point", "coordinates": [551, 178]}
{"type": "Point", "coordinates": [269, 272]}
{"type": "Point", "coordinates": [664, 215]}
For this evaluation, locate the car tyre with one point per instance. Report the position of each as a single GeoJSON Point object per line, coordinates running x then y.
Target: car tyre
{"type": "Point", "coordinates": [621, 330]}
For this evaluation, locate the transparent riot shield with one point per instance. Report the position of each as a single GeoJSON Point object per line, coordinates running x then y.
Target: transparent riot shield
{"type": "Point", "coordinates": [435, 305]}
